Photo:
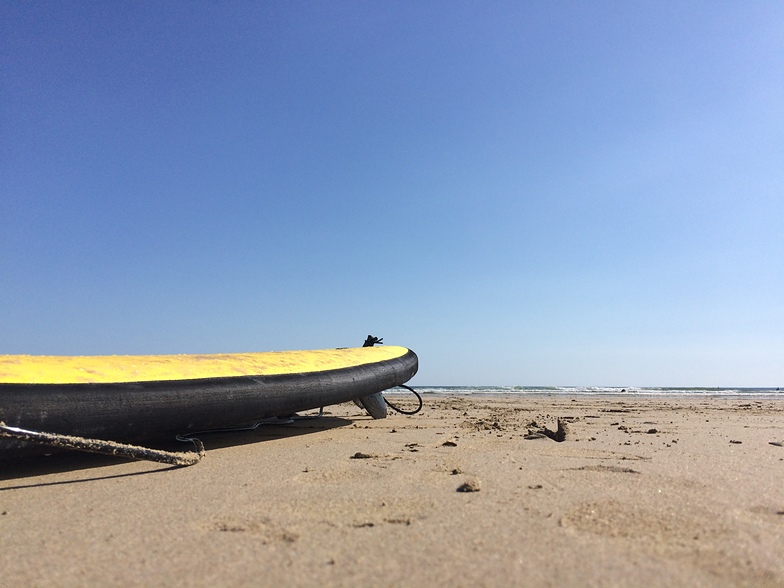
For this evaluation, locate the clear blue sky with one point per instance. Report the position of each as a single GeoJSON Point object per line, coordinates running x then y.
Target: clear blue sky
{"type": "Point", "coordinates": [525, 193]}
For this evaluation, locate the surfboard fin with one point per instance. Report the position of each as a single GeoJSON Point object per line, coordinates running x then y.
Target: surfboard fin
{"type": "Point", "coordinates": [374, 405]}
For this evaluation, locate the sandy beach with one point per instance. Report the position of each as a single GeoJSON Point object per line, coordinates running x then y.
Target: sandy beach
{"type": "Point", "coordinates": [642, 491]}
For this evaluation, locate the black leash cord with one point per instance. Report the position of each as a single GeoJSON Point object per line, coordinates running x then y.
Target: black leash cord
{"type": "Point", "coordinates": [400, 410]}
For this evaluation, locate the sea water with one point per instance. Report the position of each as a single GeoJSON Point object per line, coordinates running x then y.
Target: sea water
{"type": "Point", "coordinates": [599, 391]}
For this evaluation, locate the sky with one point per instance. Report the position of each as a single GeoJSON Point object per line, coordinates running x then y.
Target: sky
{"type": "Point", "coordinates": [524, 193]}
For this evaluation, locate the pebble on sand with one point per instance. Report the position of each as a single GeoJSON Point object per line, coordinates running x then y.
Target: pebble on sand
{"type": "Point", "coordinates": [471, 485]}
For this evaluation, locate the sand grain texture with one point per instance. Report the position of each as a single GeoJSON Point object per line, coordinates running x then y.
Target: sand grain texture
{"type": "Point", "coordinates": [643, 491]}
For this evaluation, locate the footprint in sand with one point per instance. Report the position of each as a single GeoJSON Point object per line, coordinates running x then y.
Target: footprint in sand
{"type": "Point", "coordinates": [262, 528]}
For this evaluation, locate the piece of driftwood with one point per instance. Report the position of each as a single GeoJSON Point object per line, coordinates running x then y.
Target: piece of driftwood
{"type": "Point", "coordinates": [558, 435]}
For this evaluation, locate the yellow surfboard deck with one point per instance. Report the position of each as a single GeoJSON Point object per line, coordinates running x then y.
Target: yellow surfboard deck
{"type": "Point", "coordinates": [112, 369]}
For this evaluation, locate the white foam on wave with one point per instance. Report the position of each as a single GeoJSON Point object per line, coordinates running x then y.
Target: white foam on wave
{"type": "Point", "coordinates": [599, 391]}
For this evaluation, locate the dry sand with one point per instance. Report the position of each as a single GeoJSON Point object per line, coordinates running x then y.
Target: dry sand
{"type": "Point", "coordinates": [642, 492]}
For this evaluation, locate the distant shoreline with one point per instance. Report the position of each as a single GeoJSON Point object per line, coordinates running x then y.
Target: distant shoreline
{"type": "Point", "coordinates": [568, 391]}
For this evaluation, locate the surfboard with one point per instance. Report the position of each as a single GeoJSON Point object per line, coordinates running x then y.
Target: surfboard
{"type": "Point", "coordinates": [133, 398]}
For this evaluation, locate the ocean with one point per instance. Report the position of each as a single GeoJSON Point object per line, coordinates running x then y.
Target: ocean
{"type": "Point", "coordinates": [598, 391]}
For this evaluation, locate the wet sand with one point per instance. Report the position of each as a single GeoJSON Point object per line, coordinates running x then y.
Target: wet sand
{"type": "Point", "coordinates": [642, 491]}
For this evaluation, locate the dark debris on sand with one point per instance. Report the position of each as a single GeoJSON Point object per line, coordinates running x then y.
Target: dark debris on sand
{"type": "Point", "coordinates": [469, 486]}
{"type": "Point", "coordinates": [558, 435]}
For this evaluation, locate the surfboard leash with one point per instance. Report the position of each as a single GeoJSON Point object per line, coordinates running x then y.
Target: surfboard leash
{"type": "Point", "coordinates": [400, 410]}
